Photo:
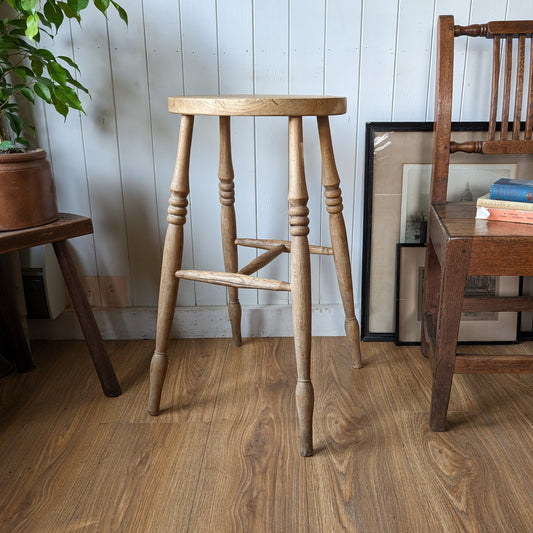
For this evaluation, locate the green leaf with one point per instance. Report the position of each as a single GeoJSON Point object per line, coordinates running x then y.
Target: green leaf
{"type": "Point", "coordinates": [29, 5]}
{"type": "Point", "coordinates": [46, 23]}
{"type": "Point", "coordinates": [32, 26]}
{"type": "Point", "coordinates": [37, 66]}
{"type": "Point", "coordinates": [53, 13]}
{"type": "Point", "coordinates": [57, 72]}
{"type": "Point", "coordinates": [69, 97]}
{"type": "Point", "coordinates": [78, 85]}
{"type": "Point", "coordinates": [102, 5]}
{"type": "Point", "coordinates": [23, 72]}
{"type": "Point", "coordinates": [28, 94]}
{"type": "Point", "coordinates": [69, 62]}
{"type": "Point", "coordinates": [22, 140]}
{"type": "Point", "coordinates": [46, 81]}
{"type": "Point", "coordinates": [6, 145]}
{"type": "Point", "coordinates": [77, 5]}
{"type": "Point", "coordinates": [60, 106]}
{"type": "Point", "coordinates": [122, 14]}
{"type": "Point", "coordinates": [15, 122]}
{"type": "Point", "coordinates": [67, 11]}
{"type": "Point", "coordinates": [43, 91]}
{"type": "Point", "coordinates": [44, 53]}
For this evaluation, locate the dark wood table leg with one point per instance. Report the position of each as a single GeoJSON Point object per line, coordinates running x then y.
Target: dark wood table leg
{"type": "Point", "coordinates": [102, 363]}
{"type": "Point", "coordinates": [13, 339]}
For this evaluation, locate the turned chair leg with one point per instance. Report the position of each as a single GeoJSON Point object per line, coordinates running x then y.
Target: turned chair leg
{"type": "Point", "coordinates": [229, 225]}
{"type": "Point", "coordinates": [301, 284]}
{"type": "Point", "coordinates": [452, 288]}
{"type": "Point", "coordinates": [172, 255]}
{"type": "Point", "coordinates": [339, 241]}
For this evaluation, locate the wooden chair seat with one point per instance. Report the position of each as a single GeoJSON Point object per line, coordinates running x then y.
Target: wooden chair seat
{"type": "Point", "coordinates": [458, 245]}
{"type": "Point", "coordinates": [496, 248]}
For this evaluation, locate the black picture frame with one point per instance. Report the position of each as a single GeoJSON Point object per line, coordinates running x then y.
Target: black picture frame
{"type": "Point", "coordinates": [383, 137]}
{"type": "Point", "coordinates": [476, 327]}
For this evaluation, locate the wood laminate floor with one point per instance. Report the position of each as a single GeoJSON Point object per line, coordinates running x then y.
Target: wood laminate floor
{"type": "Point", "coordinates": [223, 454]}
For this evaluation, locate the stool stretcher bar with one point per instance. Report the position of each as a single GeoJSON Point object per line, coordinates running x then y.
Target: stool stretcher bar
{"type": "Point", "coordinates": [268, 244]}
{"type": "Point", "coordinates": [262, 260]}
{"type": "Point", "coordinates": [229, 279]}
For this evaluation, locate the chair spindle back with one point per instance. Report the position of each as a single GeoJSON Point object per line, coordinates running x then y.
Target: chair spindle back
{"type": "Point", "coordinates": [511, 95]}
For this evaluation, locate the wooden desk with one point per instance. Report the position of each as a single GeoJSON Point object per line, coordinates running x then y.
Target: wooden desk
{"type": "Point", "coordinates": [57, 233]}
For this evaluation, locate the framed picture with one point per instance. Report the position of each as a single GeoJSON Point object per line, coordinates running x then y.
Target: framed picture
{"type": "Point", "coordinates": [489, 327]}
{"type": "Point", "coordinates": [465, 183]}
{"type": "Point", "coordinates": [397, 175]}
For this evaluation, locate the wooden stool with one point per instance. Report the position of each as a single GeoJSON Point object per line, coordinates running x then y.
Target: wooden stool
{"type": "Point", "coordinates": [294, 107]}
{"type": "Point", "coordinates": [57, 233]}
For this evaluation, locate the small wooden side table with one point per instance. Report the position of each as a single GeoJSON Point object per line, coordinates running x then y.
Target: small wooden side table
{"type": "Point", "coordinates": [57, 233]}
{"type": "Point", "coordinates": [294, 108]}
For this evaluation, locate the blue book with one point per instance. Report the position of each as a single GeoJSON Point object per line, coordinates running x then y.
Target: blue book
{"type": "Point", "coordinates": [512, 190]}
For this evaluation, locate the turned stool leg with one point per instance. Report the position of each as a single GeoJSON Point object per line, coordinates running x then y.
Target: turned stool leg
{"type": "Point", "coordinates": [172, 254]}
{"type": "Point", "coordinates": [229, 225]}
{"type": "Point", "coordinates": [300, 284]}
{"type": "Point", "coordinates": [339, 241]}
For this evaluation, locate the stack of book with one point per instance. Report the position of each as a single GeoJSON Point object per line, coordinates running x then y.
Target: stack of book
{"type": "Point", "coordinates": [509, 200]}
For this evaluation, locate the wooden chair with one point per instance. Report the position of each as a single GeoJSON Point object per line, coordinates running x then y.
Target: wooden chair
{"type": "Point", "coordinates": [458, 245]}
{"type": "Point", "coordinates": [294, 108]}
{"type": "Point", "coordinates": [57, 233]}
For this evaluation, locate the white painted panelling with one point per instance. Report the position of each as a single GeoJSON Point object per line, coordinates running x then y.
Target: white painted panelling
{"type": "Point", "coordinates": [271, 76]}
{"type": "Point", "coordinates": [200, 76]}
{"type": "Point", "coordinates": [99, 135]}
{"type": "Point", "coordinates": [236, 76]}
{"type": "Point", "coordinates": [461, 12]}
{"type": "Point", "coordinates": [306, 76]}
{"type": "Point", "coordinates": [375, 96]}
{"type": "Point", "coordinates": [476, 99]}
{"type": "Point", "coordinates": [67, 157]}
{"type": "Point", "coordinates": [343, 38]}
{"type": "Point", "coordinates": [413, 52]}
{"type": "Point", "coordinates": [192, 322]}
{"type": "Point", "coordinates": [130, 83]}
{"type": "Point", "coordinates": [165, 78]}
{"type": "Point", "coordinates": [116, 163]}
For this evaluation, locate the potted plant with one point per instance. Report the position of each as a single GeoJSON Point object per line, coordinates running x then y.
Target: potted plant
{"type": "Point", "coordinates": [31, 72]}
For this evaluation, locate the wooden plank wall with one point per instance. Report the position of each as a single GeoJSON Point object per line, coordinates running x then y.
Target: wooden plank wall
{"type": "Point", "coordinates": [115, 162]}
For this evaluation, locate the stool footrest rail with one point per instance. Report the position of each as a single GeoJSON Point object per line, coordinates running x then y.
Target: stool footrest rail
{"type": "Point", "coordinates": [268, 244]}
{"type": "Point", "coordinates": [231, 279]}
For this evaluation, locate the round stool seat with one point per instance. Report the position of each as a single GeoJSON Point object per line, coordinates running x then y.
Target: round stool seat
{"type": "Point", "coordinates": [258, 105]}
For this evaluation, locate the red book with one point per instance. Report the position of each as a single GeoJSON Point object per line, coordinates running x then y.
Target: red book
{"type": "Point", "coordinates": [504, 215]}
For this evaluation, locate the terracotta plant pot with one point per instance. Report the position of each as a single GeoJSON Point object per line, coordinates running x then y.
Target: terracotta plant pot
{"type": "Point", "coordinates": [27, 191]}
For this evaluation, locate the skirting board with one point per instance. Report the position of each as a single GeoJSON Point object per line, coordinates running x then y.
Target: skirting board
{"type": "Point", "coordinates": [191, 322]}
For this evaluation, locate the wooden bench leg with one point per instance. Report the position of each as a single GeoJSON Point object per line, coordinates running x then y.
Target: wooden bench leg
{"type": "Point", "coordinates": [452, 288]}
{"type": "Point", "coordinates": [12, 333]}
{"type": "Point", "coordinates": [102, 364]}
